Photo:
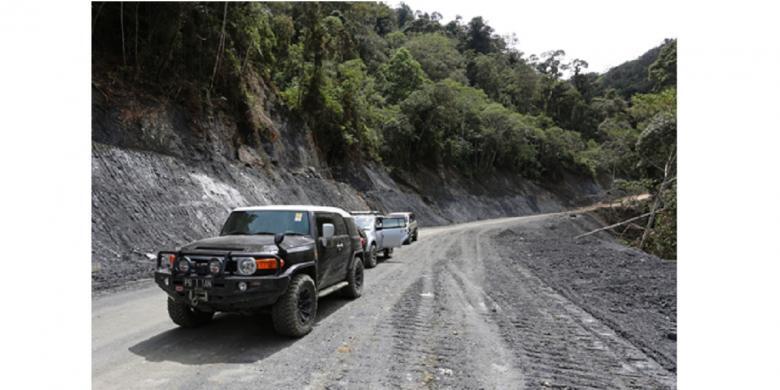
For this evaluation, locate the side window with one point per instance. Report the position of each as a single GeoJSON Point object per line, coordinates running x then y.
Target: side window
{"type": "Point", "coordinates": [341, 228]}
{"type": "Point", "coordinates": [351, 227]}
{"type": "Point", "coordinates": [322, 219]}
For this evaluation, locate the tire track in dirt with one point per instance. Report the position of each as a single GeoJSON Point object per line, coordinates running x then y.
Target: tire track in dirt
{"type": "Point", "coordinates": [440, 340]}
{"type": "Point", "coordinates": [469, 351]}
{"type": "Point", "coordinates": [386, 350]}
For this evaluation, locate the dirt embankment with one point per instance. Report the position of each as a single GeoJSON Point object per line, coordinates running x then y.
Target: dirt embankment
{"type": "Point", "coordinates": [631, 291]}
{"type": "Point", "coordinates": [164, 174]}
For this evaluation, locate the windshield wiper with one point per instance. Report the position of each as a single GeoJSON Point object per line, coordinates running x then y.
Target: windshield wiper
{"type": "Point", "coordinates": [236, 234]}
{"type": "Point", "coordinates": [259, 233]}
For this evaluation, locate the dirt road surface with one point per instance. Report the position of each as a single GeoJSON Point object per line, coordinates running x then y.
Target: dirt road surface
{"type": "Point", "coordinates": [500, 304]}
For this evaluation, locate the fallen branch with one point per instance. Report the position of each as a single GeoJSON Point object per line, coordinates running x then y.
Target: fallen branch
{"type": "Point", "coordinates": [618, 224]}
{"type": "Point", "coordinates": [630, 226]}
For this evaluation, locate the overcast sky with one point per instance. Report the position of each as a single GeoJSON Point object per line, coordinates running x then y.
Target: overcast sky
{"type": "Point", "coordinates": [604, 33]}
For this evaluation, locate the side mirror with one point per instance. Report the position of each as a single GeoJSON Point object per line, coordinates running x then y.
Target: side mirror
{"type": "Point", "coordinates": [278, 238]}
{"type": "Point", "coordinates": [328, 230]}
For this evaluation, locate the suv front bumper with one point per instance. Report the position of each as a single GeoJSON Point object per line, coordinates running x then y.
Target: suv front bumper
{"type": "Point", "coordinates": [222, 293]}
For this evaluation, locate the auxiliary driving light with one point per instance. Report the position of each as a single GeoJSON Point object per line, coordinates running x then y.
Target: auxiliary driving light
{"type": "Point", "coordinates": [184, 265]}
{"type": "Point", "coordinates": [242, 286]}
{"type": "Point", "coordinates": [214, 266]}
{"type": "Point", "coordinates": [166, 281]}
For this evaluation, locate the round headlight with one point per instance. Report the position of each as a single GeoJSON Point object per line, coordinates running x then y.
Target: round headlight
{"type": "Point", "coordinates": [214, 266]}
{"type": "Point", "coordinates": [246, 266]}
{"type": "Point", "coordinates": [184, 265]}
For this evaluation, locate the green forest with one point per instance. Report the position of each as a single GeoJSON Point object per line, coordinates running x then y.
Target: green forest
{"type": "Point", "coordinates": [408, 90]}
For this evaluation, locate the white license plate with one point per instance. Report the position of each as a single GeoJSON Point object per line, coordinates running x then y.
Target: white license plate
{"type": "Point", "coordinates": [198, 283]}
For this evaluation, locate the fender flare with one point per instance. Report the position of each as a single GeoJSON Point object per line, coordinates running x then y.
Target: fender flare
{"type": "Point", "coordinates": [308, 267]}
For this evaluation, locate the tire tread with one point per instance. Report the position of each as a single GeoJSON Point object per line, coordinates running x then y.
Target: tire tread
{"type": "Point", "coordinates": [285, 311]}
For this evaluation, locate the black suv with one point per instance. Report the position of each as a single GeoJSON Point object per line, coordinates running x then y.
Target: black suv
{"type": "Point", "coordinates": [282, 257]}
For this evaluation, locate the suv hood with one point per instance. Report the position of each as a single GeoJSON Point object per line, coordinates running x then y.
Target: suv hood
{"type": "Point", "coordinates": [258, 243]}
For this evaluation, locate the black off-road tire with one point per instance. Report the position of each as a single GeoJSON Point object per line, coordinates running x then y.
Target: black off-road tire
{"type": "Point", "coordinates": [388, 253]}
{"type": "Point", "coordinates": [187, 316]}
{"type": "Point", "coordinates": [296, 310]}
{"type": "Point", "coordinates": [371, 257]}
{"type": "Point", "coordinates": [415, 236]}
{"type": "Point", "coordinates": [355, 278]}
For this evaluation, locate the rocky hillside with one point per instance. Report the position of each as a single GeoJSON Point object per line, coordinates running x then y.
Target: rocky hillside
{"type": "Point", "coordinates": [164, 173]}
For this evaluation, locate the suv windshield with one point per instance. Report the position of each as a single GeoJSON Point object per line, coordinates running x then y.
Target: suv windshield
{"type": "Point", "coordinates": [266, 222]}
{"type": "Point", "coordinates": [364, 221]}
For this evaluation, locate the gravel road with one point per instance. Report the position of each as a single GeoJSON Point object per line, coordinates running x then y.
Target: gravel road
{"type": "Point", "coordinates": [461, 308]}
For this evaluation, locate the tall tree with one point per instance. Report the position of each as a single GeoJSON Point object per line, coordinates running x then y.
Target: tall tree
{"type": "Point", "coordinates": [403, 75]}
{"type": "Point", "coordinates": [437, 54]}
{"type": "Point", "coordinates": [479, 36]}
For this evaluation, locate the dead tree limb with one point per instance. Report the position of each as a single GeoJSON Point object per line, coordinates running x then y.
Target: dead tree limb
{"type": "Point", "coordinates": [137, 66]}
{"type": "Point", "coordinates": [617, 224]}
{"type": "Point", "coordinates": [97, 14]}
{"type": "Point", "coordinates": [122, 26]}
{"type": "Point", "coordinates": [658, 196]}
{"type": "Point", "coordinates": [220, 47]}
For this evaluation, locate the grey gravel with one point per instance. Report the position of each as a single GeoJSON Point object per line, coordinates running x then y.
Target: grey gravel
{"type": "Point", "coordinates": [455, 310]}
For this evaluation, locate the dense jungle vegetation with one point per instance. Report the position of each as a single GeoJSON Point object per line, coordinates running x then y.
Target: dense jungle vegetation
{"type": "Point", "coordinates": [404, 89]}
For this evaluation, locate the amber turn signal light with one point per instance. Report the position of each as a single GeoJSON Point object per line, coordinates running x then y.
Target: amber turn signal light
{"type": "Point", "coordinates": [269, 263]}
